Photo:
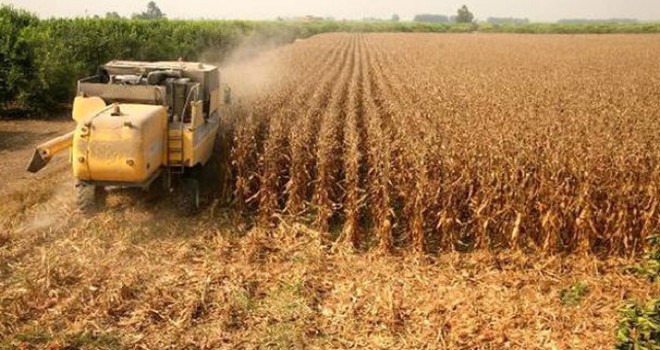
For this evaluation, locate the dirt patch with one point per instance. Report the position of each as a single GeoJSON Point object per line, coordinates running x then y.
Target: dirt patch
{"type": "Point", "coordinates": [17, 141]}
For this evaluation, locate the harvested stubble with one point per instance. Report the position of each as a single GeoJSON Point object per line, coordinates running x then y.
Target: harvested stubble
{"type": "Point", "coordinates": [441, 142]}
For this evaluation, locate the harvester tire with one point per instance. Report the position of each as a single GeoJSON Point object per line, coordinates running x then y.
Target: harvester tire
{"type": "Point", "coordinates": [222, 171]}
{"type": "Point", "coordinates": [214, 175]}
{"type": "Point", "coordinates": [190, 197]}
{"type": "Point", "coordinates": [86, 197]}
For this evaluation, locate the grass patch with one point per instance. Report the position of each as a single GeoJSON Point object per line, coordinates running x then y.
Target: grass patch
{"type": "Point", "coordinates": [287, 302]}
{"type": "Point", "coordinates": [287, 310]}
{"type": "Point", "coordinates": [241, 303]}
{"type": "Point", "coordinates": [87, 340]}
{"type": "Point", "coordinates": [31, 338]}
{"type": "Point", "coordinates": [573, 295]}
{"type": "Point", "coordinates": [284, 336]}
{"type": "Point", "coordinates": [36, 338]}
{"type": "Point", "coordinates": [650, 267]}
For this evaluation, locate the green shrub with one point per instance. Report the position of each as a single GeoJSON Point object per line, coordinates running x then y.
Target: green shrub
{"type": "Point", "coordinates": [573, 295]}
{"type": "Point", "coordinates": [16, 60]}
{"type": "Point", "coordinates": [639, 328]}
{"type": "Point", "coordinates": [650, 268]}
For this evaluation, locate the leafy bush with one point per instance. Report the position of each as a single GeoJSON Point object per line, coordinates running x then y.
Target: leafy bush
{"type": "Point", "coordinates": [639, 328]}
{"type": "Point", "coordinates": [650, 268]}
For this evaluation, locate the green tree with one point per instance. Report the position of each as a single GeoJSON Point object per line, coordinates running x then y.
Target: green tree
{"type": "Point", "coordinates": [17, 65]}
{"type": "Point", "coordinates": [153, 12]}
{"type": "Point", "coordinates": [112, 15]}
{"type": "Point", "coordinates": [395, 18]}
{"type": "Point", "coordinates": [464, 15]}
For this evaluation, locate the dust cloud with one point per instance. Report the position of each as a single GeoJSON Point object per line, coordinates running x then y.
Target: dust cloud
{"type": "Point", "coordinates": [252, 68]}
{"type": "Point", "coordinates": [54, 213]}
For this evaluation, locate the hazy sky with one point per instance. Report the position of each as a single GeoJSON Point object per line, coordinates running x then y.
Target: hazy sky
{"type": "Point", "coordinates": [536, 10]}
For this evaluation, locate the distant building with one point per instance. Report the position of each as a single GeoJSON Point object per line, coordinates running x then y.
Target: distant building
{"type": "Point", "coordinates": [429, 18]}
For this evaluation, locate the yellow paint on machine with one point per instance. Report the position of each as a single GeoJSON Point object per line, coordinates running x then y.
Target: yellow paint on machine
{"type": "Point", "coordinates": [198, 149]}
{"type": "Point", "coordinates": [198, 138]}
{"type": "Point", "coordinates": [129, 147]}
{"type": "Point", "coordinates": [85, 106]}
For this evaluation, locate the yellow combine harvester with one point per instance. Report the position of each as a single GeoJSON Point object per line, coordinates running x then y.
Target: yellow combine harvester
{"type": "Point", "coordinates": [138, 122]}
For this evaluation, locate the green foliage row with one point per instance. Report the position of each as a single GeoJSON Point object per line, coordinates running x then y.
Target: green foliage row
{"type": "Point", "coordinates": [15, 54]}
{"type": "Point", "coordinates": [40, 60]}
{"type": "Point", "coordinates": [571, 28]}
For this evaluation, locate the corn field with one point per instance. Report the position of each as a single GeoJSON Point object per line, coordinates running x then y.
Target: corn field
{"type": "Point", "coordinates": [436, 142]}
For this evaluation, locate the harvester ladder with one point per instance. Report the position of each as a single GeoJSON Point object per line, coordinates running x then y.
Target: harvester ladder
{"type": "Point", "coordinates": [176, 164]}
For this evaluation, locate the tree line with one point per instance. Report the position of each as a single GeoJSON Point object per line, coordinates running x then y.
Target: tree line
{"type": "Point", "coordinates": [463, 15]}
{"type": "Point", "coordinates": [40, 60]}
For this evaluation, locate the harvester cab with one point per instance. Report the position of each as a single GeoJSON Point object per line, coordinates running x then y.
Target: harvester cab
{"type": "Point", "coordinates": [137, 122]}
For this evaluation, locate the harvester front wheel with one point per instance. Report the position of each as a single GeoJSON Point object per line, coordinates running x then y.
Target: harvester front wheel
{"type": "Point", "coordinates": [86, 196]}
{"type": "Point", "coordinates": [190, 199]}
